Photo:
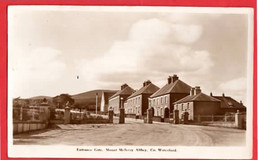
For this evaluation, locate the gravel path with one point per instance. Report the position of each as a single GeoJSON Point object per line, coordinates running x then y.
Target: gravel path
{"type": "Point", "coordinates": [134, 132]}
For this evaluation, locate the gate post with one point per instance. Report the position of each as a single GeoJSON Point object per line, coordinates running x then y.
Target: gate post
{"type": "Point", "coordinates": [110, 116]}
{"type": "Point", "coordinates": [122, 116]}
{"type": "Point", "coordinates": [149, 115]}
{"type": "Point", "coordinates": [67, 115]}
{"type": "Point", "coordinates": [186, 117]}
{"type": "Point", "coordinates": [225, 118]}
{"type": "Point", "coordinates": [176, 117]}
{"type": "Point", "coordinates": [239, 120]}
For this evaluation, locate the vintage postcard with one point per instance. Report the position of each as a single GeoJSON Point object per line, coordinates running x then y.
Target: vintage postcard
{"type": "Point", "coordinates": [130, 82]}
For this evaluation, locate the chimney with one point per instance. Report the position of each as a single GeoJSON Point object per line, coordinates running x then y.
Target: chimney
{"type": "Point", "coordinates": [223, 94]}
{"type": "Point", "coordinates": [148, 82]}
{"type": "Point", "coordinates": [211, 94]}
{"type": "Point", "coordinates": [174, 78]}
{"type": "Point", "coordinates": [197, 90]}
{"type": "Point", "coordinates": [191, 91]}
{"type": "Point", "coordinates": [144, 84]}
{"type": "Point", "coordinates": [241, 102]}
{"type": "Point", "coordinates": [123, 86]}
{"type": "Point", "coordinates": [169, 79]}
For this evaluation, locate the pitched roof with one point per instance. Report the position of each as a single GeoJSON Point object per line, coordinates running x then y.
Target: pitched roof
{"type": "Point", "coordinates": [198, 97]}
{"type": "Point", "coordinates": [148, 89]}
{"type": "Point", "coordinates": [177, 86]}
{"type": "Point", "coordinates": [228, 102]}
{"type": "Point", "coordinates": [107, 95]}
{"type": "Point", "coordinates": [125, 91]}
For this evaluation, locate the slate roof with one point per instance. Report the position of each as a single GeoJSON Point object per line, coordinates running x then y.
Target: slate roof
{"type": "Point", "coordinates": [228, 102]}
{"type": "Point", "coordinates": [176, 87]}
{"type": "Point", "coordinates": [199, 97]}
{"type": "Point", "coordinates": [148, 89]}
{"type": "Point", "coordinates": [126, 91]}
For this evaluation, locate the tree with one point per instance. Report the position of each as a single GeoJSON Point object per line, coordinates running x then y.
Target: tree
{"type": "Point", "coordinates": [61, 100]}
{"type": "Point", "coordinates": [44, 100]}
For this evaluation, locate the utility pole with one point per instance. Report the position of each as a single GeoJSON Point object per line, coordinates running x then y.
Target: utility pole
{"type": "Point", "coordinates": [96, 102]}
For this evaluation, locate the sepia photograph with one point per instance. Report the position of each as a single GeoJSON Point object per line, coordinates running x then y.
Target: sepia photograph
{"type": "Point", "coordinates": [130, 82]}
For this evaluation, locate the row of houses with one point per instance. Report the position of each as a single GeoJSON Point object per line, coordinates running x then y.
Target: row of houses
{"type": "Point", "coordinates": [174, 95]}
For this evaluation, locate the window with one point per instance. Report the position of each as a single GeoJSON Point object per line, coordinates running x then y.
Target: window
{"type": "Point", "coordinates": [166, 99]}
{"type": "Point", "coordinates": [182, 107]}
{"type": "Point", "coordinates": [188, 107]}
{"type": "Point", "coordinates": [161, 100]}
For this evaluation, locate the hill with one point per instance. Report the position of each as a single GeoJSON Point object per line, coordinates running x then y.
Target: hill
{"type": "Point", "coordinates": [88, 99]}
{"type": "Point", "coordinates": [40, 97]}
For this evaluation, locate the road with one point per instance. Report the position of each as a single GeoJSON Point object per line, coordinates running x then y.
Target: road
{"type": "Point", "coordinates": [134, 132]}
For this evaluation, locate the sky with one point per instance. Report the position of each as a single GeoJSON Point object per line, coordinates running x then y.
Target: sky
{"type": "Point", "coordinates": [49, 47]}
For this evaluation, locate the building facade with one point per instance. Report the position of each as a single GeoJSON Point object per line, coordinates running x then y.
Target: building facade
{"type": "Point", "coordinates": [137, 103]}
{"type": "Point", "coordinates": [119, 98]}
{"type": "Point", "coordinates": [161, 101]}
{"type": "Point", "coordinates": [197, 104]}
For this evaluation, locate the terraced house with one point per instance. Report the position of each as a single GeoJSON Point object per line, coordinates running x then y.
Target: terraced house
{"type": "Point", "coordinates": [161, 101]}
{"type": "Point", "coordinates": [119, 98]}
{"type": "Point", "coordinates": [137, 103]}
{"type": "Point", "coordinates": [229, 105]}
{"type": "Point", "coordinates": [197, 104]}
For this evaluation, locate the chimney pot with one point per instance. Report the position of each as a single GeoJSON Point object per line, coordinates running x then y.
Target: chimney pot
{"type": "Point", "coordinates": [174, 78]}
{"type": "Point", "coordinates": [148, 82]}
{"type": "Point", "coordinates": [223, 94]}
{"type": "Point", "coordinates": [169, 79]}
{"type": "Point", "coordinates": [211, 94]}
{"type": "Point", "coordinates": [123, 86]}
{"type": "Point", "coordinates": [191, 91]}
{"type": "Point", "coordinates": [197, 90]}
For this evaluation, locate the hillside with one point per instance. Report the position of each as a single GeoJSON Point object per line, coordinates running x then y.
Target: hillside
{"type": "Point", "coordinates": [88, 99]}
{"type": "Point", "coordinates": [82, 100]}
{"type": "Point", "coordinates": [40, 97]}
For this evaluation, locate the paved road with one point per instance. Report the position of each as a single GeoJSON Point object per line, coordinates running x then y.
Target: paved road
{"type": "Point", "coordinates": [134, 132]}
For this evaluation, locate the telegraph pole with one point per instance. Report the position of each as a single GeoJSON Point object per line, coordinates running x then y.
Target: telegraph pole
{"type": "Point", "coordinates": [96, 102]}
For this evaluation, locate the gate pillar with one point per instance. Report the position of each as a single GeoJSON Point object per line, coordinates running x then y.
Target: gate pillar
{"type": "Point", "coordinates": [176, 117]}
{"type": "Point", "coordinates": [110, 116]}
{"type": "Point", "coordinates": [122, 116]}
{"type": "Point", "coordinates": [149, 115]}
{"type": "Point", "coordinates": [67, 115]}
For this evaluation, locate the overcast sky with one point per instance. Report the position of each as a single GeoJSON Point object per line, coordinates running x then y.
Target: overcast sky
{"type": "Point", "coordinates": [50, 46]}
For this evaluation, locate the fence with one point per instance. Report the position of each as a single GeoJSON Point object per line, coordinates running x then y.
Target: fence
{"type": "Point", "coordinates": [29, 119]}
{"type": "Point", "coordinates": [233, 120]}
{"type": "Point", "coordinates": [58, 115]}
{"type": "Point", "coordinates": [72, 116]}
{"type": "Point", "coordinates": [212, 118]}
